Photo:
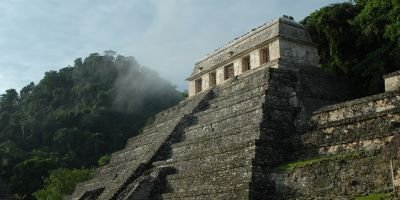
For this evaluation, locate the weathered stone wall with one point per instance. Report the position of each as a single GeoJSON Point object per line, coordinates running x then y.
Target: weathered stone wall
{"type": "Point", "coordinates": [339, 178]}
{"type": "Point", "coordinates": [298, 53]}
{"type": "Point", "coordinates": [363, 123]}
{"type": "Point", "coordinates": [343, 157]}
{"type": "Point", "coordinates": [392, 81]}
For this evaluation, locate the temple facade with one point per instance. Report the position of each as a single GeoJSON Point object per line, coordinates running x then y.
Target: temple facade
{"type": "Point", "coordinates": [281, 43]}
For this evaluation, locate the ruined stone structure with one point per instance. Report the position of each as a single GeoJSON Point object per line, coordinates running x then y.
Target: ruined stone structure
{"type": "Point", "coordinates": [263, 121]}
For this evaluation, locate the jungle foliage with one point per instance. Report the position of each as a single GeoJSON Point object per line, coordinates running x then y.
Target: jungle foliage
{"type": "Point", "coordinates": [72, 117]}
{"type": "Point", "coordinates": [358, 39]}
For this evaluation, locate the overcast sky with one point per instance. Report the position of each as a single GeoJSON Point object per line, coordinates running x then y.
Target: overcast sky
{"type": "Point", "coordinates": [168, 36]}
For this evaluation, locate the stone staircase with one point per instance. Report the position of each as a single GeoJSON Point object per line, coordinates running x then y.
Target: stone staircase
{"type": "Point", "coordinates": [139, 152]}
{"type": "Point", "coordinates": [214, 161]}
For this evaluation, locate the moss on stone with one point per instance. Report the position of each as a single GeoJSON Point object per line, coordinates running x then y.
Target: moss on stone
{"type": "Point", "coordinates": [311, 161]}
{"type": "Point", "coordinates": [377, 196]}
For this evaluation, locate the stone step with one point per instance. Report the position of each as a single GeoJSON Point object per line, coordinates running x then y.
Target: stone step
{"type": "Point", "coordinates": [238, 155]}
{"type": "Point", "coordinates": [208, 134]}
{"type": "Point", "coordinates": [90, 185]}
{"type": "Point", "coordinates": [215, 143]}
{"type": "Point", "coordinates": [182, 108]}
{"type": "Point", "coordinates": [234, 120]}
{"type": "Point", "coordinates": [214, 151]}
{"type": "Point", "coordinates": [115, 167]}
{"type": "Point", "coordinates": [354, 129]}
{"type": "Point", "coordinates": [229, 103]}
{"type": "Point", "coordinates": [209, 164]}
{"type": "Point", "coordinates": [133, 156]}
{"type": "Point", "coordinates": [228, 193]}
{"type": "Point", "coordinates": [350, 120]}
{"type": "Point", "coordinates": [245, 152]}
{"type": "Point", "coordinates": [217, 181]}
{"type": "Point", "coordinates": [240, 84]}
{"type": "Point", "coordinates": [359, 107]}
{"type": "Point", "coordinates": [149, 134]}
{"type": "Point", "coordinates": [148, 139]}
{"type": "Point", "coordinates": [230, 109]}
{"type": "Point", "coordinates": [214, 130]}
{"type": "Point", "coordinates": [254, 119]}
{"type": "Point", "coordinates": [128, 153]}
{"type": "Point", "coordinates": [223, 100]}
{"type": "Point", "coordinates": [149, 129]}
{"type": "Point", "coordinates": [368, 144]}
{"type": "Point", "coordinates": [117, 183]}
{"type": "Point", "coordinates": [132, 152]}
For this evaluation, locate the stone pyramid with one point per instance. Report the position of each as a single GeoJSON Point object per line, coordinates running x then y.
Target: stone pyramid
{"type": "Point", "coordinates": [274, 130]}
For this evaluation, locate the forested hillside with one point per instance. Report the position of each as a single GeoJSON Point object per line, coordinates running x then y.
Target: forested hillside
{"type": "Point", "coordinates": [360, 40]}
{"type": "Point", "coordinates": [73, 117]}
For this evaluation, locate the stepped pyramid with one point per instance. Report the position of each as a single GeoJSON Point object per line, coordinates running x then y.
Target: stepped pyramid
{"type": "Point", "coordinates": [257, 106]}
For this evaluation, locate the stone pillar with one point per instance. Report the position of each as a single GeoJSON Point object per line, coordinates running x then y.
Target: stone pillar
{"type": "Point", "coordinates": [274, 50]}
{"type": "Point", "coordinates": [392, 81]}
{"type": "Point", "coordinates": [255, 58]}
{"type": "Point", "coordinates": [237, 66]}
{"type": "Point", "coordinates": [192, 90]}
{"type": "Point", "coordinates": [220, 75]}
{"type": "Point", "coordinates": [205, 81]}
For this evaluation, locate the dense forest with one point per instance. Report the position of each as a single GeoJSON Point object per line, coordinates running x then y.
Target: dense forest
{"type": "Point", "coordinates": [360, 40]}
{"type": "Point", "coordinates": [72, 119]}
{"type": "Point", "coordinates": [54, 133]}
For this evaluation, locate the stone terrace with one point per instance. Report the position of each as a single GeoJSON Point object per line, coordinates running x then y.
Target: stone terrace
{"type": "Point", "coordinates": [347, 144]}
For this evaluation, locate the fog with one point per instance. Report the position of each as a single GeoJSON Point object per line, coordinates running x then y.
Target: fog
{"type": "Point", "coordinates": [137, 87]}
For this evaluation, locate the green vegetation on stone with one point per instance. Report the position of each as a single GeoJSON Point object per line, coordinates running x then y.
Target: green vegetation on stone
{"type": "Point", "coordinates": [378, 196]}
{"type": "Point", "coordinates": [316, 160]}
{"type": "Point", "coordinates": [104, 160]}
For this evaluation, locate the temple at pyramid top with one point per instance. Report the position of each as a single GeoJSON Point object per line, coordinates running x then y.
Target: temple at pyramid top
{"type": "Point", "coordinates": [281, 43]}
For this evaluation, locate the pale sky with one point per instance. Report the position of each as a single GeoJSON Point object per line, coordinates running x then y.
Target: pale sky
{"type": "Point", "coordinates": [168, 36]}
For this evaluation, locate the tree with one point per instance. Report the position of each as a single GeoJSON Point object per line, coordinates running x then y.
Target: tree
{"type": "Point", "coordinates": [62, 182]}
{"type": "Point", "coordinates": [10, 98]}
{"type": "Point", "coordinates": [28, 175]}
{"type": "Point", "coordinates": [358, 40]}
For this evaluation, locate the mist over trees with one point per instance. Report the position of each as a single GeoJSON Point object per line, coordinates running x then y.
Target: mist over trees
{"type": "Point", "coordinates": [74, 116]}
